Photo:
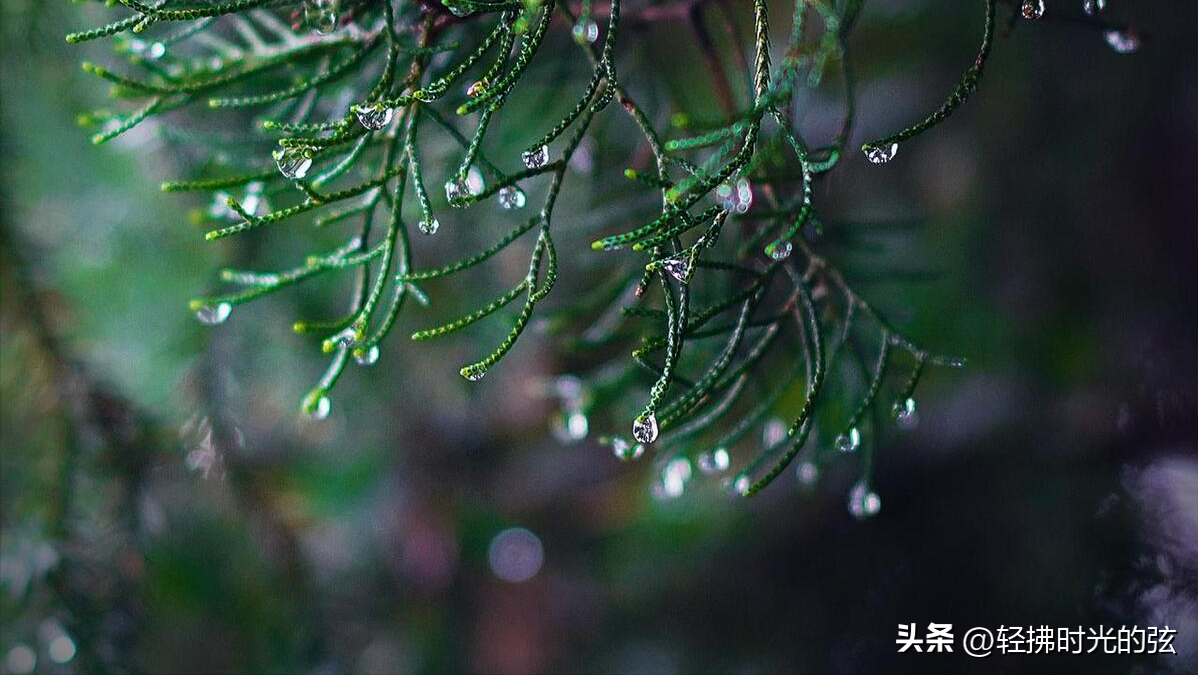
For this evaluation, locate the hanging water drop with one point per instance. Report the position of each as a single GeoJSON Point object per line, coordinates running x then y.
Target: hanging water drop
{"type": "Point", "coordinates": [368, 357]}
{"type": "Point", "coordinates": [849, 441]}
{"type": "Point", "coordinates": [214, 314]}
{"type": "Point", "coordinates": [375, 117]}
{"type": "Point", "coordinates": [905, 414]}
{"type": "Point", "coordinates": [429, 226]}
{"type": "Point", "coordinates": [512, 197]}
{"type": "Point", "coordinates": [293, 162]}
{"type": "Point", "coordinates": [321, 15]}
{"type": "Point", "coordinates": [317, 405]}
{"type": "Point", "coordinates": [473, 374]}
{"type": "Point", "coordinates": [625, 451]}
{"type": "Point", "coordinates": [1032, 9]}
{"type": "Point", "coordinates": [864, 502]}
{"type": "Point", "coordinates": [1122, 41]}
{"type": "Point", "coordinates": [715, 461]}
{"type": "Point", "coordinates": [456, 190]}
{"type": "Point", "coordinates": [644, 428]}
{"type": "Point", "coordinates": [1093, 7]}
{"type": "Point", "coordinates": [880, 154]}
{"type": "Point", "coordinates": [535, 159]}
{"type": "Point", "coordinates": [586, 32]}
{"type": "Point", "coordinates": [779, 250]}
{"type": "Point", "coordinates": [456, 9]}
{"type": "Point", "coordinates": [807, 474]}
{"type": "Point", "coordinates": [742, 485]}
{"type": "Point", "coordinates": [678, 268]}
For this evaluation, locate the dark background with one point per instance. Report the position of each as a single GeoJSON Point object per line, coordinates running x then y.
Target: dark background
{"type": "Point", "coordinates": [166, 510]}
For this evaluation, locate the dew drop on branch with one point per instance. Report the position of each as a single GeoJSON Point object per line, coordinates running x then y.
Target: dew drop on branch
{"type": "Point", "coordinates": [880, 154]}
{"type": "Point", "coordinates": [535, 159]}
{"type": "Point", "coordinates": [321, 15]}
{"type": "Point", "coordinates": [457, 9]}
{"type": "Point", "coordinates": [375, 117]}
{"type": "Point", "coordinates": [293, 162]}
{"type": "Point", "coordinates": [1093, 7]}
{"type": "Point", "coordinates": [429, 226]}
{"type": "Point", "coordinates": [512, 197]}
{"type": "Point", "coordinates": [214, 314]}
{"type": "Point", "coordinates": [849, 441]}
{"type": "Point", "coordinates": [863, 501]}
{"type": "Point", "coordinates": [644, 428]}
{"type": "Point", "coordinates": [742, 485]}
{"type": "Point", "coordinates": [368, 357]}
{"type": "Point", "coordinates": [317, 405]}
{"type": "Point", "coordinates": [1032, 9]}
{"type": "Point", "coordinates": [905, 414]}
{"type": "Point", "coordinates": [677, 268]}
{"type": "Point", "coordinates": [779, 250]}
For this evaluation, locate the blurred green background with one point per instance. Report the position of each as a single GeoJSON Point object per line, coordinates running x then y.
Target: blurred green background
{"type": "Point", "coordinates": [165, 509]}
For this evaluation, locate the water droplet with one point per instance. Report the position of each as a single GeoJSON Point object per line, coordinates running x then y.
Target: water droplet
{"type": "Point", "coordinates": [644, 429]}
{"type": "Point", "coordinates": [715, 461]}
{"type": "Point", "coordinates": [678, 268]}
{"type": "Point", "coordinates": [317, 405]}
{"type": "Point", "coordinates": [625, 451]}
{"type": "Point", "coordinates": [735, 198]}
{"type": "Point", "coordinates": [457, 10]}
{"type": "Point", "coordinates": [773, 432]}
{"type": "Point", "coordinates": [1123, 41]}
{"type": "Point", "coordinates": [368, 357]}
{"type": "Point", "coordinates": [905, 414]}
{"type": "Point", "coordinates": [214, 314]}
{"type": "Point", "coordinates": [345, 339]}
{"type": "Point", "coordinates": [473, 374]}
{"type": "Point", "coordinates": [474, 181]}
{"type": "Point", "coordinates": [779, 250]}
{"type": "Point", "coordinates": [807, 474]}
{"type": "Point", "coordinates": [586, 32]}
{"type": "Point", "coordinates": [741, 485]}
{"type": "Point", "coordinates": [429, 226]}
{"type": "Point", "coordinates": [512, 197]}
{"type": "Point", "coordinates": [456, 190]}
{"type": "Point", "coordinates": [321, 15]}
{"type": "Point", "coordinates": [535, 159]}
{"type": "Point", "coordinates": [1032, 9]}
{"type": "Point", "coordinates": [375, 117]}
{"type": "Point", "coordinates": [864, 502]}
{"type": "Point", "coordinates": [293, 162]}
{"type": "Point", "coordinates": [571, 426]}
{"type": "Point", "coordinates": [849, 441]}
{"type": "Point", "coordinates": [674, 477]}
{"type": "Point", "coordinates": [880, 154]}
{"type": "Point", "coordinates": [477, 88]}
{"type": "Point", "coordinates": [1093, 7]}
